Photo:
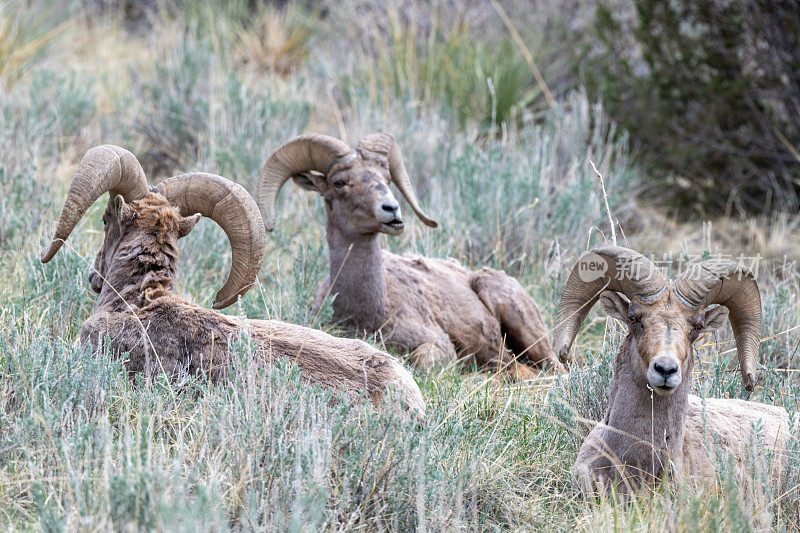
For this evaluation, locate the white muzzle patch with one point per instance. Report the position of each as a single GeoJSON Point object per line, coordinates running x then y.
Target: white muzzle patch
{"type": "Point", "coordinates": [387, 215]}
{"type": "Point", "coordinates": [664, 374]}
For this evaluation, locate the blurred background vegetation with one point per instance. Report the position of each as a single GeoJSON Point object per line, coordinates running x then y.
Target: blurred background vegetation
{"type": "Point", "coordinates": [708, 91]}
{"type": "Point", "coordinates": [690, 110]}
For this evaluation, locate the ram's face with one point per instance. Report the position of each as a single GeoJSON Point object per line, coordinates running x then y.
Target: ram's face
{"type": "Point", "coordinates": [362, 199]}
{"type": "Point", "coordinates": [662, 332]}
{"type": "Point", "coordinates": [358, 197]}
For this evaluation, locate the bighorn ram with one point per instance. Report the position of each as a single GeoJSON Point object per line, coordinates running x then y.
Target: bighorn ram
{"type": "Point", "coordinates": [434, 307]}
{"type": "Point", "coordinates": [134, 273]}
{"type": "Point", "coordinates": [653, 425]}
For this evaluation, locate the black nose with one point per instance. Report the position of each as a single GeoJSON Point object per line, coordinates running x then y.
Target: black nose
{"type": "Point", "coordinates": [665, 369]}
{"type": "Point", "coordinates": [390, 208]}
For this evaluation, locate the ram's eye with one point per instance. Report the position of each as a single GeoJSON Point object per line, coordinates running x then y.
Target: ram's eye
{"type": "Point", "coordinates": [339, 184]}
{"type": "Point", "coordinates": [633, 319]}
{"type": "Point", "coordinates": [698, 327]}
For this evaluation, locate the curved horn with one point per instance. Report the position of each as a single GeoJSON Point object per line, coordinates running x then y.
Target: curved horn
{"type": "Point", "coordinates": [234, 210]}
{"type": "Point", "coordinates": [607, 268]}
{"type": "Point", "coordinates": [302, 154]}
{"type": "Point", "coordinates": [728, 283]}
{"type": "Point", "coordinates": [103, 168]}
{"type": "Point", "coordinates": [384, 145]}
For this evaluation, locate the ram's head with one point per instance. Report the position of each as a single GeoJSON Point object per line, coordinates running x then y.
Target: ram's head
{"type": "Point", "coordinates": [664, 317]}
{"type": "Point", "coordinates": [354, 183]}
{"type": "Point", "coordinates": [156, 217]}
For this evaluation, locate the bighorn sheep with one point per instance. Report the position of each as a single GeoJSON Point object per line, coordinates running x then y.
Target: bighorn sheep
{"type": "Point", "coordinates": [134, 273]}
{"type": "Point", "coordinates": [653, 425]}
{"type": "Point", "coordinates": [434, 307]}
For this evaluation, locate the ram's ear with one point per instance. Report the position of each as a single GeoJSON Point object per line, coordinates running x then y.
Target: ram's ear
{"type": "Point", "coordinates": [186, 225]}
{"type": "Point", "coordinates": [311, 181]}
{"type": "Point", "coordinates": [615, 305]}
{"type": "Point", "coordinates": [125, 213]}
{"type": "Point", "coordinates": [715, 318]}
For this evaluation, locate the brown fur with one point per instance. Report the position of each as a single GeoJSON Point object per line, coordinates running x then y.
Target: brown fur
{"type": "Point", "coordinates": [433, 307]}
{"type": "Point", "coordinates": [647, 431]}
{"type": "Point", "coordinates": [163, 333]}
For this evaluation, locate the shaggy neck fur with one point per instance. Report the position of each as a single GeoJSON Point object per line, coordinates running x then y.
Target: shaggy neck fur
{"type": "Point", "coordinates": [356, 277]}
{"type": "Point", "coordinates": [142, 269]}
{"type": "Point", "coordinates": [651, 418]}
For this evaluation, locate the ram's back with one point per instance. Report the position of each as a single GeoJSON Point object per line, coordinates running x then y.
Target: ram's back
{"type": "Point", "coordinates": [191, 339]}
{"type": "Point", "coordinates": [751, 436]}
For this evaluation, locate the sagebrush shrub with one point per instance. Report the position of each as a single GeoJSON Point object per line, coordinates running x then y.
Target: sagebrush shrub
{"type": "Point", "coordinates": [710, 92]}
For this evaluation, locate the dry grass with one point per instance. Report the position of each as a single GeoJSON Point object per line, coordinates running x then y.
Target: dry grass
{"type": "Point", "coordinates": [277, 42]}
{"type": "Point", "coordinates": [21, 41]}
{"type": "Point", "coordinates": [775, 237]}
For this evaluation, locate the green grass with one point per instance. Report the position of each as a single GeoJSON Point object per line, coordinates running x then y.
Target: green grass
{"type": "Point", "coordinates": [432, 56]}
{"type": "Point", "coordinates": [82, 447]}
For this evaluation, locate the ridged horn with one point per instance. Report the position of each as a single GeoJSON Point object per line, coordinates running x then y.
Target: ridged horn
{"type": "Point", "coordinates": [302, 154]}
{"type": "Point", "coordinates": [725, 282]}
{"type": "Point", "coordinates": [234, 210]}
{"type": "Point", "coordinates": [606, 268]}
{"type": "Point", "coordinates": [105, 168]}
{"type": "Point", "coordinates": [384, 145]}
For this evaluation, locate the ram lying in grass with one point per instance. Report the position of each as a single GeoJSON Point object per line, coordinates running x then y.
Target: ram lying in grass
{"type": "Point", "coordinates": [653, 426]}
{"type": "Point", "coordinates": [134, 274]}
{"type": "Point", "coordinates": [434, 307]}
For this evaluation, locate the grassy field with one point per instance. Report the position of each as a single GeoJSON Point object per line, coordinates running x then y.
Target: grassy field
{"type": "Point", "coordinates": [500, 160]}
